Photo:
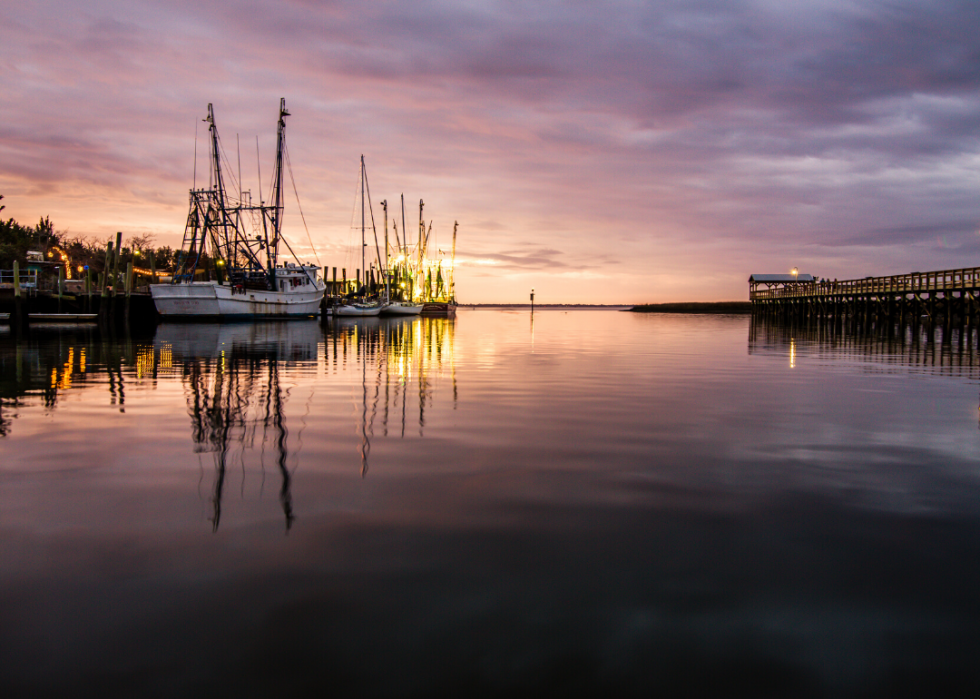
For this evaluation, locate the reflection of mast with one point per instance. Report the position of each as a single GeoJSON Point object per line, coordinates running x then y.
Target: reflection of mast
{"type": "Point", "coordinates": [365, 442]}
{"type": "Point", "coordinates": [285, 496]}
{"type": "Point", "coordinates": [415, 350]}
{"type": "Point", "coordinates": [220, 415]}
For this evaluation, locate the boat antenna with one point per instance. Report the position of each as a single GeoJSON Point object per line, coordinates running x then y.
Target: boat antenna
{"type": "Point", "coordinates": [258, 164]}
{"type": "Point", "coordinates": [404, 230]}
{"type": "Point", "coordinates": [195, 155]}
{"type": "Point", "coordinates": [238, 147]}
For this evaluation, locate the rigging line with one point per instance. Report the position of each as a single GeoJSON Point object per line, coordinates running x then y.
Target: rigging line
{"type": "Point", "coordinates": [229, 172]}
{"type": "Point", "coordinates": [377, 248]}
{"type": "Point", "coordinates": [301, 266]}
{"type": "Point", "coordinates": [353, 213]}
{"type": "Point", "coordinates": [289, 166]}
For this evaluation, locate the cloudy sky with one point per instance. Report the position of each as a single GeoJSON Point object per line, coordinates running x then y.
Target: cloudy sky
{"type": "Point", "coordinates": [599, 152]}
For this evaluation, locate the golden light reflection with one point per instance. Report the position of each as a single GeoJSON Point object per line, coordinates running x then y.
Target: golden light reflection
{"type": "Point", "coordinates": [401, 363]}
{"type": "Point", "coordinates": [166, 355]}
{"type": "Point", "coordinates": [61, 380]}
{"type": "Point", "coordinates": [792, 353]}
{"type": "Point", "coordinates": [144, 361]}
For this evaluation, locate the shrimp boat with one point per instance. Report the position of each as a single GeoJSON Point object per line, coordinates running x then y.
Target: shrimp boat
{"type": "Point", "coordinates": [229, 264]}
{"type": "Point", "coordinates": [410, 287]}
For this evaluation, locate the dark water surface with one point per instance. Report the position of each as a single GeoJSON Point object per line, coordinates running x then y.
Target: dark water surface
{"type": "Point", "coordinates": [588, 503]}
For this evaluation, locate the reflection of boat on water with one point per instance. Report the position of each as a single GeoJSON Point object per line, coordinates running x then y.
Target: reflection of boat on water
{"type": "Point", "coordinates": [402, 308]}
{"type": "Point", "coordinates": [237, 244]}
{"type": "Point", "coordinates": [400, 359]}
{"type": "Point", "coordinates": [231, 374]}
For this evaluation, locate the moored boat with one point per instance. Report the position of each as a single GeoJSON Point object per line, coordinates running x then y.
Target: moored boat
{"type": "Point", "coordinates": [233, 246]}
{"type": "Point", "coordinates": [402, 308]}
{"type": "Point", "coordinates": [439, 309]}
{"type": "Point", "coordinates": [357, 309]}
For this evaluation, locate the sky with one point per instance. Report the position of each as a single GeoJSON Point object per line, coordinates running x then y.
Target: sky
{"type": "Point", "coordinates": [597, 152]}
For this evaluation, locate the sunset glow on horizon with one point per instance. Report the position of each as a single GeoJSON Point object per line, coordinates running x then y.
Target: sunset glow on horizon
{"type": "Point", "coordinates": [620, 152]}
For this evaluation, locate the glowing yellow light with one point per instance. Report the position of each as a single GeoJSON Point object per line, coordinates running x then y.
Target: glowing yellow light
{"type": "Point", "coordinates": [50, 254]}
{"type": "Point", "coordinates": [81, 269]}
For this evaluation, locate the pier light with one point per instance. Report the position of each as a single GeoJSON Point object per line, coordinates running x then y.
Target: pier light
{"type": "Point", "coordinates": [220, 263]}
{"type": "Point", "coordinates": [795, 272]}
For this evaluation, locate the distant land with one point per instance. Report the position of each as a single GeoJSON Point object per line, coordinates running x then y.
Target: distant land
{"type": "Point", "coordinates": [565, 306]}
{"type": "Point", "coordinates": [691, 307]}
{"type": "Point", "coordinates": [699, 307]}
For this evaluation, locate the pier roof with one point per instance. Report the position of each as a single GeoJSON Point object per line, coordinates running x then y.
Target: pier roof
{"type": "Point", "coordinates": [780, 278]}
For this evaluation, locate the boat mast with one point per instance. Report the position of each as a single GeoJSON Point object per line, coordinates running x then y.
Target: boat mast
{"type": "Point", "coordinates": [384, 205]}
{"type": "Point", "coordinates": [418, 246]}
{"type": "Point", "coordinates": [276, 208]}
{"type": "Point", "coordinates": [404, 230]}
{"type": "Point", "coordinates": [421, 233]}
{"type": "Point", "coordinates": [219, 190]}
{"type": "Point", "coordinates": [363, 244]}
{"type": "Point", "coordinates": [452, 267]}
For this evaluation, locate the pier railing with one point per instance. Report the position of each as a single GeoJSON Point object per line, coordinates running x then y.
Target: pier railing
{"type": "Point", "coordinates": [914, 282]}
{"type": "Point", "coordinates": [28, 279]}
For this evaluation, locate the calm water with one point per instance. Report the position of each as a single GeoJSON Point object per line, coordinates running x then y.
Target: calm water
{"type": "Point", "coordinates": [586, 502]}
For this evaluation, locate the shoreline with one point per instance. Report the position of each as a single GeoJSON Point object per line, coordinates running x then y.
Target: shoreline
{"type": "Point", "coordinates": [718, 307]}
{"type": "Point", "coordinates": [695, 307]}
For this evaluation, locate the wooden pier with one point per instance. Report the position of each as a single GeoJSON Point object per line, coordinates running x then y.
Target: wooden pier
{"type": "Point", "coordinates": [945, 297]}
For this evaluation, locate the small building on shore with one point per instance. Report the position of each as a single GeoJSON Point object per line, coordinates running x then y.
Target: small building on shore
{"type": "Point", "coordinates": [777, 281]}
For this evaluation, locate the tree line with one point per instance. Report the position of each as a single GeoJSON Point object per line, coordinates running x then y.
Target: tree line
{"type": "Point", "coordinates": [75, 252]}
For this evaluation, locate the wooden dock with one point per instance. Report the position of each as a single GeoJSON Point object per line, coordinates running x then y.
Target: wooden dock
{"type": "Point", "coordinates": [943, 297]}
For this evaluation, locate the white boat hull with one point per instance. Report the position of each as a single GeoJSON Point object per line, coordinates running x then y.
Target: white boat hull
{"type": "Point", "coordinates": [400, 309]}
{"type": "Point", "coordinates": [356, 311]}
{"type": "Point", "coordinates": [210, 299]}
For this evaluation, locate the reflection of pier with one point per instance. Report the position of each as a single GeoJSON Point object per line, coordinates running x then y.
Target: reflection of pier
{"type": "Point", "coordinates": [235, 399]}
{"type": "Point", "coordinates": [49, 361]}
{"type": "Point", "coordinates": [941, 350]}
{"type": "Point", "coordinates": [399, 359]}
